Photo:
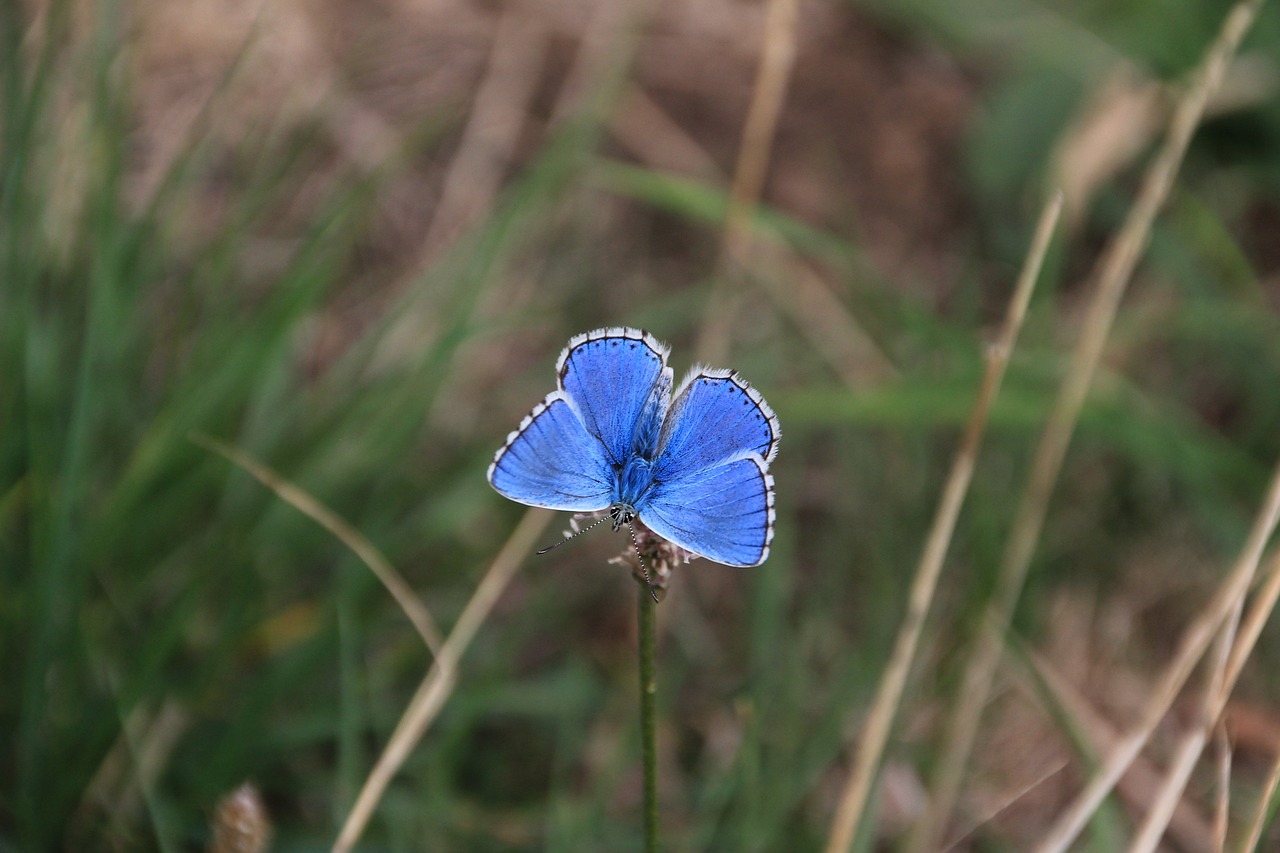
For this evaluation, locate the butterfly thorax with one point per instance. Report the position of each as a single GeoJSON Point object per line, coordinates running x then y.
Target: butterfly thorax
{"type": "Point", "coordinates": [634, 481]}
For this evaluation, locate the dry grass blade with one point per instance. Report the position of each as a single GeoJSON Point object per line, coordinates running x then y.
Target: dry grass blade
{"type": "Point", "coordinates": [1116, 268]}
{"type": "Point", "coordinates": [885, 709]}
{"type": "Point", "coordinates": [489, 140]}
{"type": "Point", "coordinates": [762, 119]}
{"type": "Point", "coordinates": [1189, 830]}
{"type": "Point", "coordinates": [1008, 803]}
{"type": "Point", "coordinates": [1222, 806]}
{"type": "Point", "coordinates": [1189, 750]}
{"type": "Point", "coordinates": [475, 174]}
{"type": "Point", "coordinates": [1226, 672]}
{"type": "Point", "coordinates": [1263, 605]}
{"type": "Point", "coordinates": [832, 330]}
{"type": "Point", "coordinates": [608, 44]}
{"type": "Point", "coordinates": [438, 684]}
{"type": "Point", "coordinates": [1259, 822]}
{"type": "Point", "coordinates": [124, 781]}
{"type": "Point", "coordinates": [1120, 119]}
{"type": "Point", "coordinates": [644, 129]}
{"type": "Point", "coordinates": [365, 550]}
{"type": "Point", "coordinates": [777, 57]}
{"type": "Point", "coordinates": [1192, 646]}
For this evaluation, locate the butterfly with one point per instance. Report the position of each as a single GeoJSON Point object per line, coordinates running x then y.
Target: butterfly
{"type": "Point", "coordinates": [693, 466]}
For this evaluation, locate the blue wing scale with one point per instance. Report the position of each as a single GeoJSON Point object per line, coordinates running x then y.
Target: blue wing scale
{"type": "Point", "coordinates": [610, 377]}
{"type": "Point", "coordinates": [716, 417]}
{"type": "Point", "coordinates": [724, 513]}
{"type": "Point", "coordinates": [551, 461]}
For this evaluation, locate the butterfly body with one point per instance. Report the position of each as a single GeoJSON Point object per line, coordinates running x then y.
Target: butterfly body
{"type": "Point", "coordinates": [691, 466]}
{"type": "Point", "coordinates": [635, 481]}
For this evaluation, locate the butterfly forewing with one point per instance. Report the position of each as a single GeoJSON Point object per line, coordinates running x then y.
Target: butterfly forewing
{"type": "Point", "coordinates": [712, 491]}
{"type": "Point", "coordinates": [609, 376]}
{"type": "Point", "coordinates": [551, 461]}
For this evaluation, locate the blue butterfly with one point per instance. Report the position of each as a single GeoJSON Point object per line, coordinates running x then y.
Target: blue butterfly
{"type": "Point", "coordinates": [693, 467]}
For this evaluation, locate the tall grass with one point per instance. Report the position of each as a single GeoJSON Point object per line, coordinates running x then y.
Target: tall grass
{"type": "Point", "coordinates": [169, 628]}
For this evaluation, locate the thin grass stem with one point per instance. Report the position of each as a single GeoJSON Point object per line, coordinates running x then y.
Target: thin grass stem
{"type": "Point", "coordinates": [1116, 269]}
{"type": "Point", "coordinates": [1095, 736]}
{"type": "Point", "coordinates": [884, 711]}
{"type": "Point", "coordinates": [1222, 804]}
{"type": "Point", "coordinates": [1194, 643]}
{"type": "Point", "coordinates": [646, 610]}
{"type": "Point", "coordinates": [1259, 612]}
{"type": "Point", "coordinates": [777, 55]}
{"type": "Point", "coordinates": [1227, 671]}
{"type": "Point", "coordinates": [359, 545]}
{"type": "Point", "coordinates": [438, 684]}
{"type": "Point", "coordinates": [1192, 745]}
{"type": "Point", "coordinates": [1266, 808]}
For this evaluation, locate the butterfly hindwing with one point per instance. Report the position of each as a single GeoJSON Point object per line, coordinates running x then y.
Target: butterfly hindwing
{"type": "Point", "coordinates": [724, 512]}
{"type": "Point", "coordinates": [551, 461]}
{"type": "Point", "coordinates": [713, 494]}
{"type": "Point", "coordinates": [610, 376]}
{"type": "Point", "coordinates": [715, 417]}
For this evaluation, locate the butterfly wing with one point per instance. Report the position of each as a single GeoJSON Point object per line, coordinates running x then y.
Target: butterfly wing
{"type": "Point", "coordinates": [614, 386]}
{"type": "Point", "coordinates": [551, 461]}
{"type": "Point", "coordinates": [724, 513]}
{"type": "Point", "coordinates": [712, 492]}
{"type": "Point", "coordinates": [716, 417]}
{"type": "Point", "coordinates": [617, 381]}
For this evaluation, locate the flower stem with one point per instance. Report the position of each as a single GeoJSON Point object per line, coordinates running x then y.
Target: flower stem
{"type": "Point", "coordinates": [645, 610]}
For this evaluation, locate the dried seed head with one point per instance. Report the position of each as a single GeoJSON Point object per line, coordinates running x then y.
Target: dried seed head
{"type": "Point", "coordinates": [240, 823]}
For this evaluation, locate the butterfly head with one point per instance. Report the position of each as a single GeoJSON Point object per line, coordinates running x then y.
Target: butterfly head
{"type": "Point", "coordinates": [622, 514]}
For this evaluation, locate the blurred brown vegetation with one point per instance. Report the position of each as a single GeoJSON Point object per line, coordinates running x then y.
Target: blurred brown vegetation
{"type": "Point", "coordinates": [867, 142]}
{"type": "Point", "coordinates": [868, 145]}
{"type": "Point", "coordinates": [871, 145]}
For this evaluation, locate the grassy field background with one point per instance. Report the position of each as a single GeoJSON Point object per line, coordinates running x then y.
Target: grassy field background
{"type": "Point", "coordinates": [350, 240]}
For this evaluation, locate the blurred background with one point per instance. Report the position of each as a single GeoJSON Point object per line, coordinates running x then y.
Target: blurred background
{"type": "Point", "coordinates": [350, 239]}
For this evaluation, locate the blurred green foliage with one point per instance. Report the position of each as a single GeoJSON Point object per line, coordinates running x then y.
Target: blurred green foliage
{"type": "Point", "coordinates": [169, 629]}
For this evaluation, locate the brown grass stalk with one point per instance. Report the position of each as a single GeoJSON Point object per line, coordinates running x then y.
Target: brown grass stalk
{"type": "Point", "coordinates": [776, 59]}
{"type": "Point", "coordinates": [1259, 611]}
{"type": "Point", "coordinates": [1222, 804]}
{"type": "Point", "coordinates": [126, 779]}
{"type": "Point", "coordinates": [1116, 268]}
{"type": "Point", "coordinates": [1192, 646]}
{"type": "Point", "coordinates": [474, 176]}
{"type": "Point", "coordinates": [1188, 752]}
{"type": "Point", "coordinates": [1250, 842]}
{"type": "Point", "coordinates": [1011, 800]}
{"type": "Point", "coordinates": [832, 330]}
{"type": "Point", "coordinates": [655, 138]}
{"type": "Point", "coordinates": [1189, 829]}
{"type": "Point", "coordinates": [493, 128]}
{"type": "Point", "coordinates": [1229, 671]}
{"type": "Point", "coordinates": [438, 684]}
{"type": "Point", "coordinates": [884, 710]}
{"type": "Point", "coordinates": [358, 544]}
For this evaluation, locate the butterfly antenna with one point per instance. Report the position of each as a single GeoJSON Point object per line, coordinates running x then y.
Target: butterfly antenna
{"type": "Point", "coordinates": [574, 535]}
{"type": "Point", "coordinates": [643, 570]}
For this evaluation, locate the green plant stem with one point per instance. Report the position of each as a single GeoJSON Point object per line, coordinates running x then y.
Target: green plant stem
{"type": "Point", "coordinates": [645, 610]}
